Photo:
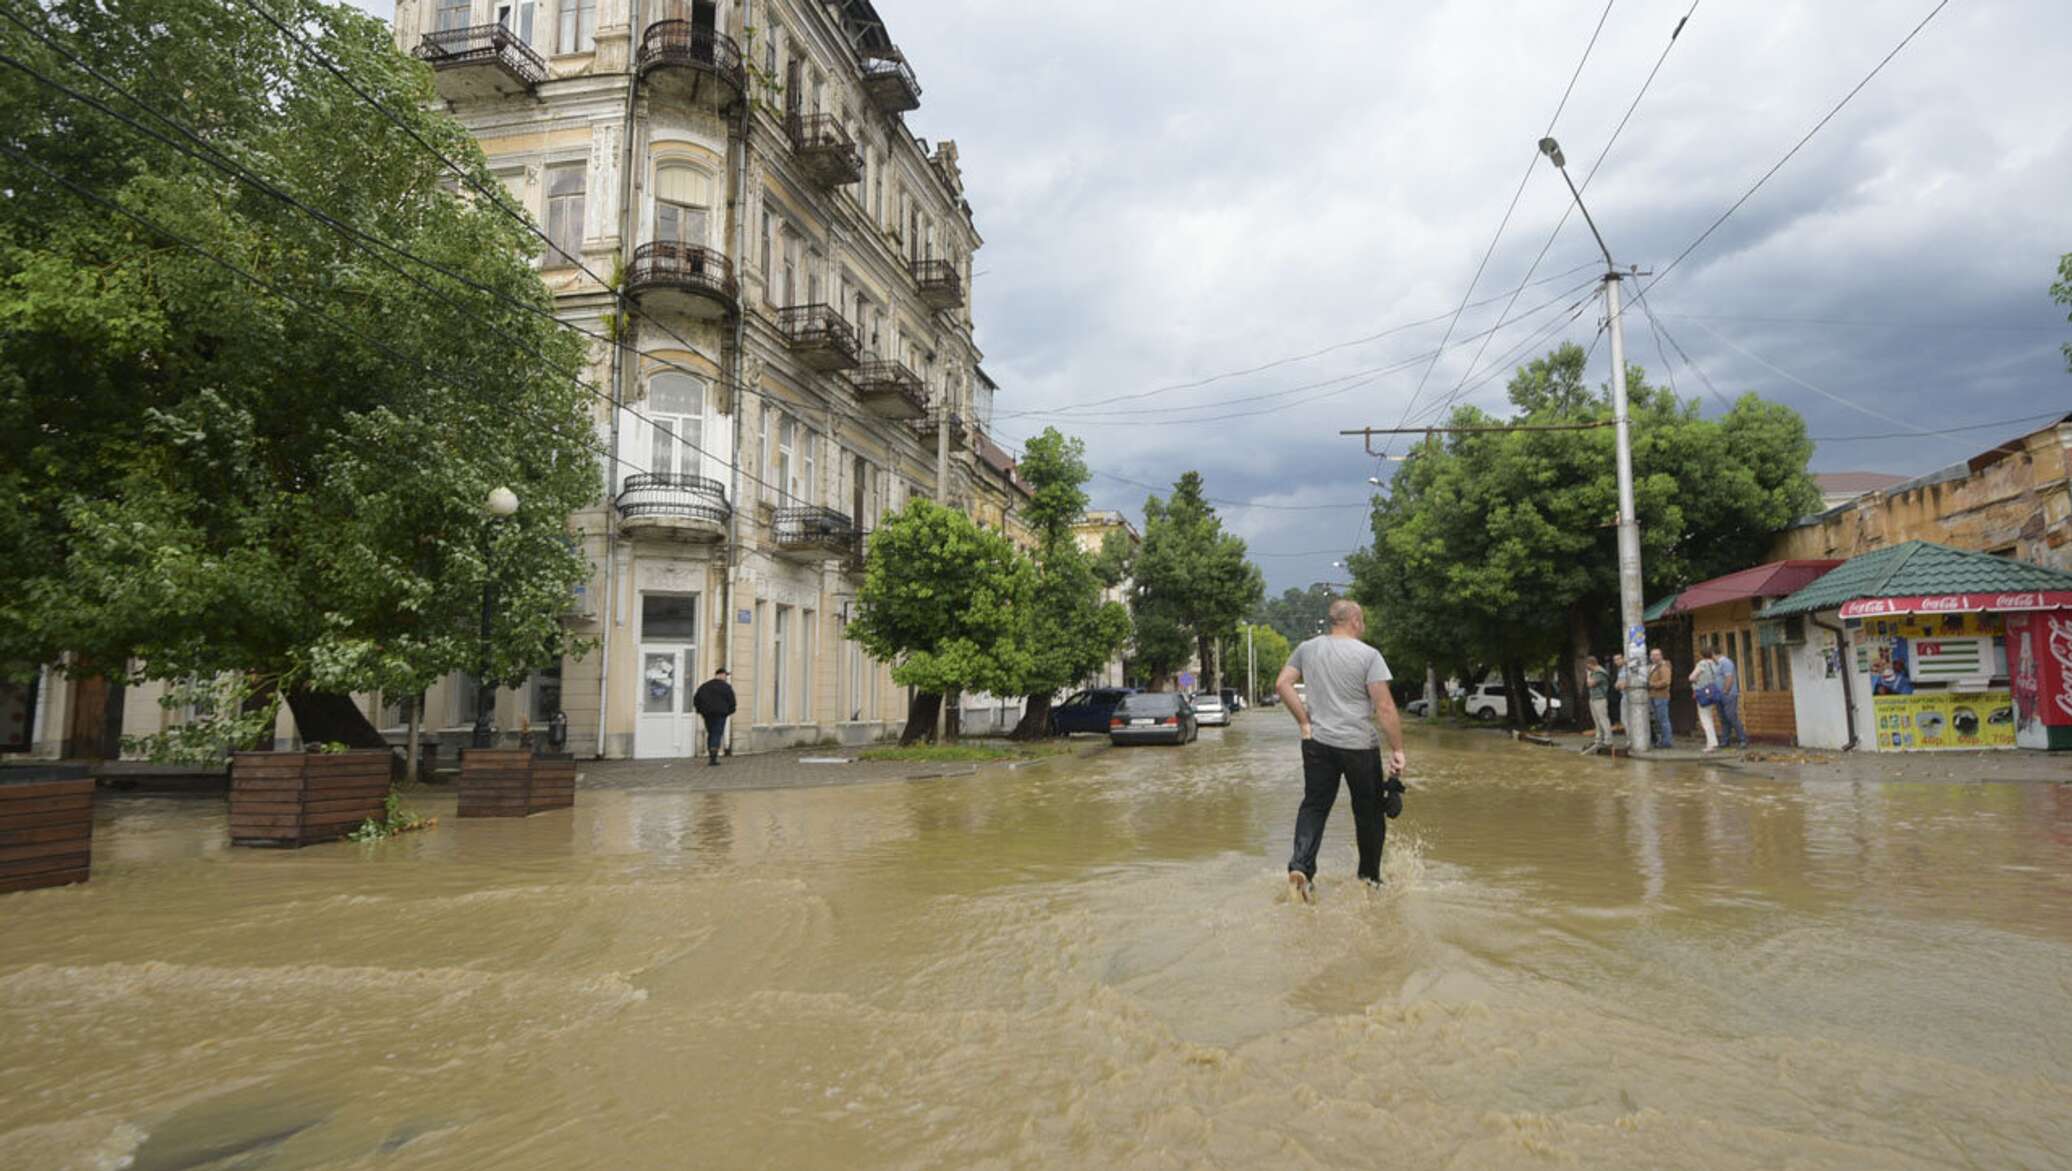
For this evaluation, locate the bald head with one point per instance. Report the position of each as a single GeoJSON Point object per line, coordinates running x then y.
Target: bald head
{"type": "Point", "coordinates": [1345, 615]}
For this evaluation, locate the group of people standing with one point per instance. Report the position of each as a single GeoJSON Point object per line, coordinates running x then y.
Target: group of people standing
{"type": "Point", "coordinates": [1715, 683]}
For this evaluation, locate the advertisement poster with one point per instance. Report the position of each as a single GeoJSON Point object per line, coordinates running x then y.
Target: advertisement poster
{"type": "Point", "coordinates": [1944, 719]}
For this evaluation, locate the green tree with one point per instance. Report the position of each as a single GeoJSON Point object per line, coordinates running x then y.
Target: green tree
{"type": "Point", "coordinates": [1501, 547]}
{"type": "Point", "coordinates": [1298, 613]}
{"type": "Point", "coordinates": [2061, 292]}
{"type": "Point", "coordinates": [1068, 631]}
{"type": "Point", "coordinates": [210, 477]}
{"type": "Point", "coordinates": [1270, 651]}
{"type": "Point", "coordinates": [940, 600]}
{"type": "Point", "coordinates": [1192, 574]}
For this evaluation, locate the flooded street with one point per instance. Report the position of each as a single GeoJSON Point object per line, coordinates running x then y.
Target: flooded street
{"type": "Point", "coordinates": [1086, 963]}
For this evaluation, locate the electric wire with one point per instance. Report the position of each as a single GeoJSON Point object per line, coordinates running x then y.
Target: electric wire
{"type": "Point", "coordinates": [242, 273]}
{"type": "Point", "coordinates": [1569, 209]}
{"type": "Point", "coordinates": [1773, 368]}
{"type": "Point", "coordinates": [1418, 393]}
{"type": "Point", "coordinates": [1365, 376]}
{"type": "Point", "coordinates": [1228, 374]}
{"type": "Point", "coordinates": [1789, 154]}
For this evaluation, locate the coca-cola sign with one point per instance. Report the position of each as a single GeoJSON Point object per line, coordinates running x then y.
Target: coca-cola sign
{"type": "Point", "coordinates": [1959, 603]}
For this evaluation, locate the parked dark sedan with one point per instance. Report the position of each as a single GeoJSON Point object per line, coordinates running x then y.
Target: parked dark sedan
{"type": "Point", "coordinates": [1087, 711]}
{"type": "Point", "coordinates": [1153, 717]}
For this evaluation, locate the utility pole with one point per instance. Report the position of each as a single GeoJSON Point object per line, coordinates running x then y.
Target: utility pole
{"type": "Point", "coordinates": [1632, 628]}
{"type": "Point", "coordinates": [1251, 669]}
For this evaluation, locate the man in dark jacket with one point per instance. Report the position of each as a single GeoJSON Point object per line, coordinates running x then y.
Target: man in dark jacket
{"type": "Point", "coordinates": [714, 700]}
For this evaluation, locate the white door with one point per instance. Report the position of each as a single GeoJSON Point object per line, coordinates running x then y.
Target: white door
{"type": "Point", "coordinates": [667, 726]}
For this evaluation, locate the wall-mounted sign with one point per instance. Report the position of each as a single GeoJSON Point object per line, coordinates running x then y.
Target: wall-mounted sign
{"type": "Point", "coordinates": [1932, 720]}
{"type": "Point", "coordinates": [744, 617]}
{"type": "Point", "coordinates": [1959, 603]}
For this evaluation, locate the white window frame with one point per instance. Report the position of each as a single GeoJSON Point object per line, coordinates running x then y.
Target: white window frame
{"type": "Point", "coordinates": [564, 215]}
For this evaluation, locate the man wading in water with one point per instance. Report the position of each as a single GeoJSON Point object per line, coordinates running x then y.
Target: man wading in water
{"type": "Point", "coordinates": [1348, 685]}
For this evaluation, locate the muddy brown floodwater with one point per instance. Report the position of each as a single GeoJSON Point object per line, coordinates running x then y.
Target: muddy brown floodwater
{"type": "Point", "coordinates": [1085, 964]}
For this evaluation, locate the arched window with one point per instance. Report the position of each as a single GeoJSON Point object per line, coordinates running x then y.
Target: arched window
{"type": "Point", "coordinates": [683, 204]}
{"type": "Point", "coordinates": [676, 403]}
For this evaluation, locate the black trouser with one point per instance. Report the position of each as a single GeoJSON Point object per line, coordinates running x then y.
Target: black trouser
{"type": "Point", "coordinates": [1322, 765]}
{"type": "Point", "coordinates": [715, 731]}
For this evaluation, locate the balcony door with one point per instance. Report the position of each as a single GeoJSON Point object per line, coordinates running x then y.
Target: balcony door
{"type": "Point", "coordinates": [683, 203]}
{"type": "Point", "coordinates": [676, 404]}
{"type": "Point", "coordinates": [668, 726]}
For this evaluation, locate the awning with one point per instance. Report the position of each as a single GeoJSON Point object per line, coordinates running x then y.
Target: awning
{"type": "Point", "coordinates": [1959, 604]}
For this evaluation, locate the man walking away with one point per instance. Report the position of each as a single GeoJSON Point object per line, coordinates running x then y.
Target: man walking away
{"type": "Point", "coordinates": [714, 700]}
{"type": "Point", "coordinates": [1731, 731]}
{"type": "Point", "coordinates": [1348, 710]}
{"type": "Point", "coordinates": [1658, 699]}
{"type": "Point", "coordinates": [1596, 684]}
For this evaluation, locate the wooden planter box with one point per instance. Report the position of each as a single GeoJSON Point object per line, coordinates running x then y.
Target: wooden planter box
{"type": "Point", "coordinates": [46, 827]}
{"type": "Point", "coordinates": [512, 782]}
{"type": "Point", "coordinates": [293, 799]}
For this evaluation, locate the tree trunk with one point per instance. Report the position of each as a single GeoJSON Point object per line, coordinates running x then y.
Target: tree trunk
{"type": "Point", "coordinates": [922, 714]}
{"type": "Point", "coordinates": [952, 715]}
{"type": "Point", "coordinates": [1574, 673]}
{"type": "Point", "coordinates": [1035, 723]}
{"type": "Point", "coordinates": [1520, 704]}
{"type": "Point", "coordinates": [1205, 681]}
{"type": "Point", "coordinates": [322, 717]}
{"type": "Point", "coordinates": [416, 729]}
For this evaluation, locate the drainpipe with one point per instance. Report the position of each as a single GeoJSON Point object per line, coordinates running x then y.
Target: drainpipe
{"type": "Point", "coordinates": [731, 371]}
{"type": "Point", "coordinates": [1848, 696]}
{"type": "Point", "coordinates": [618, 385]}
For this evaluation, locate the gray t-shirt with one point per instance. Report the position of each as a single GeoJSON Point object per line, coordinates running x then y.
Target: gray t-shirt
{"type": "Point", "coordinates": [1335, 672]}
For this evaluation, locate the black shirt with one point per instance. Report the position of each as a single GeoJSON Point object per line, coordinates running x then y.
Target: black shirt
{"type": "Point", "coordinates": [715, 697]}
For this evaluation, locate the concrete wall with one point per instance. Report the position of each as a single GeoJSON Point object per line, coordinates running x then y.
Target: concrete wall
{"type": "Point", "coordinates": [1818, 704]}
{"type": "Point", "coordinates": [2016, 503]}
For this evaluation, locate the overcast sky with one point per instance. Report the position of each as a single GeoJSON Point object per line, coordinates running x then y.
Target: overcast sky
{"type": "Point", "coordinates": [1170, 191]}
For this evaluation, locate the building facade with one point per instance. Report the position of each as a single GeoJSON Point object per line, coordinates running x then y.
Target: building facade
{"type": "Point", "coordinates": [2012, 500]}
{"type": "Point", "coordinates": [729, 190]}
{"type": "Point", "coordinates": [1092, 532]}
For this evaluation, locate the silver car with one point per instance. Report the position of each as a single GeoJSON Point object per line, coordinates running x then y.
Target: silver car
{"type": "Point", "coordinates": [1209, 712]}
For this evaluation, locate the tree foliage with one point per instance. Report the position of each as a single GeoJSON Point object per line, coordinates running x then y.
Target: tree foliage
{"type": "Point", "coordinates": [1270, 651]}
{"type": "Point", "coordinates": [1501, 547]}
{"type": "Point", "coordinates": [1298, 613]}
{"type": "Point", "coordinates": [207, 477]}
{"type": "Point", "coordinates": [941, 601]}
{"type": "Point", "coordinates": [1190, 575]}
{"type": "Point", "coordinates": [1068, 631]}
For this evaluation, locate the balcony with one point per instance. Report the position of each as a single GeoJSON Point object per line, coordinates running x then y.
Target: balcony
{"type": "Point", "coordinates": [890, 84]}
{"type": "Point", "coordinates": [814, 534]}
{"type": "Point", "coordinates": [959, 434]}
{"type": "Point", "coordinates": [939, 283]}
{"type": "Point", "coordinates": [680, 59]}
{"type": "Point", "coordinates": [481, 61]}
{"type": "Point", "coordinates": [890, 391]}
{"type": "Point", "coordinates": [684, 278]}
{"type": "Point", "coordinates": [673, 507]}
{"type": "Point", "coordinates": [824, 150]}
{"type": "Point", "coordinates": [820, 337]}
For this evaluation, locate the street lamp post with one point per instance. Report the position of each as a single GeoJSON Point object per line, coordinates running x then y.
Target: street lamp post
{"type": "Point", "coordinates": [1632, 628]}
{"type": "Point", "coordinates": [502, 504]}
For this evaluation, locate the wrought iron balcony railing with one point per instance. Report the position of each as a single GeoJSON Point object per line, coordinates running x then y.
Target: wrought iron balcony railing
{"type": "Point", "coordinates": [824, 149]}
{"type": "Point", "coordinates": [891, 85]}
{"type": "Point", "coordinates": [939, 284]}
{"type": "Point", "coordinates": [483, 44]}
{"type": "Point", "coordinates": [814, 530]}
{"type": "Point", "coordinates": [819, 335]}
{"type": "Point", "coordinates": [679, 43]}
{"type": "Point", "coordinates": [692, 267]}
{"type": "Point", "coordinates": [694, 506]}
{"type": "Point", "coordinates": [890, 390]}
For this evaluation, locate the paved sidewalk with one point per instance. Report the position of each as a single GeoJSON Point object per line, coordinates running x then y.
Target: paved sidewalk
{"type": "Point", "coordinates": [1782, 762]}
{"type": "Point", "coordinates": [788, 770]}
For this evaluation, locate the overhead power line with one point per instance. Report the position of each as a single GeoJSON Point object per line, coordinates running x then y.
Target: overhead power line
{"type": "Point", "coordinates": [1568, 208]}
{"type": "Point", "coordinates": [1789, 154]}
{"type": "Point", "coordinates": [1278, 362]}
{"type": "Point", "coordinates": [1505, 222]}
